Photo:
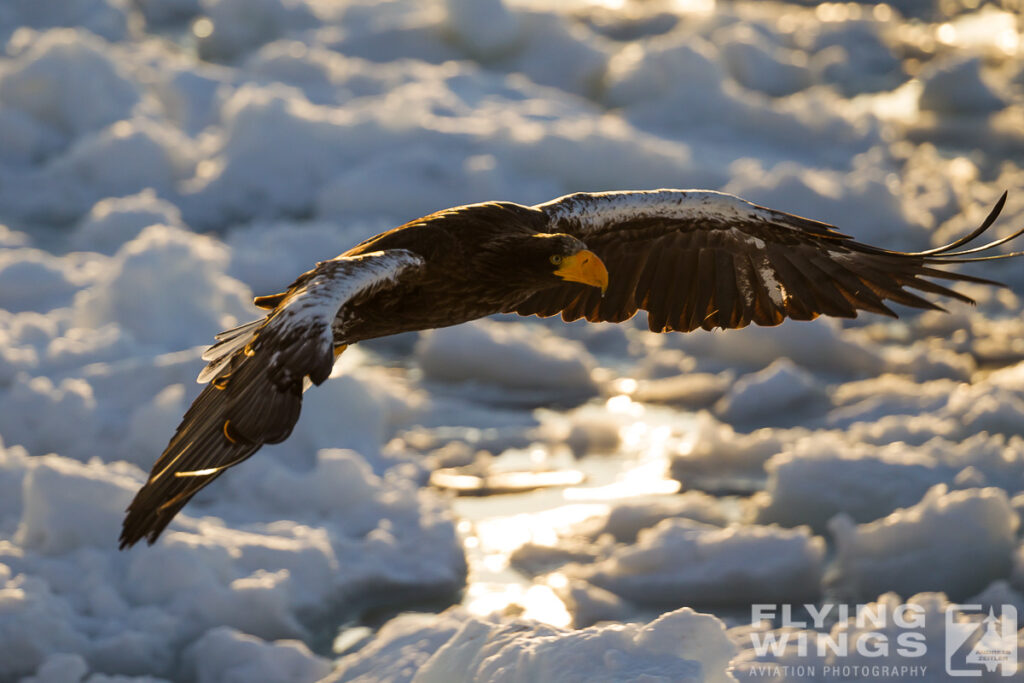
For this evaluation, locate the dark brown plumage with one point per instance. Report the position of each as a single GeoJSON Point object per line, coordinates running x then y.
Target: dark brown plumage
{"type": "Point", "coordinates": [690, 273]}
{"type": "Point", "coordinates": [689, 258]}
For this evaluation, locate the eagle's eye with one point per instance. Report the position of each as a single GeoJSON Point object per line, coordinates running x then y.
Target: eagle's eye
{"type": "Point", "coordinates": [555, 259]}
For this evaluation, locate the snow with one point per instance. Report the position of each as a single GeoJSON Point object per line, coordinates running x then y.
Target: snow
{"type": "Point", "coordinates": [114, 221]}
{"type": "Point", "coordinates": [625, 520]}
{"type": "Point", "coordinates": [683, 562]}
{"type": "Point", "coordinates": [502, 28]}
{"type": "Point", "coordinates": [110, 19]}
{"type": "Point", "coordinates": [907, 551]}
{"type": "Point", "coordinates": [817, 346]}
{"type": "Point", "coordinates": [225, 654]}
{"type": "Point", "coordinates": [716, 451]}
{"type": "Point", "coordinates": [184, 269]}
{"type": "Point", "coordinates": [68, 80]}
{"type": "Point", "coordinates": [269, 580]}
{"type": "Point", "coordinates": [782, 387]}
{"type": "Point", "coordinates": [163, 161]}
{"type": "Point", "coordinates": [54, 489]}
{"type": "Point", "coordinates": [530, 362]}
{"type": "Point", "coordinates": [757, 64]}
{"type": "Point", "coordinates": [819, 479]}
{"type": "Point", "coordinates": [963, 77]}
{"type": "Point", "coordinates": [33, 404]}
{"type": "Point", "coordinates": [32, 280]}
{"type": "Point", "coordinates": [590, 604]}
{"type": "Point", "coordinates": [678, 646]}
{"type": "Point", "coordinates": [238, 26]}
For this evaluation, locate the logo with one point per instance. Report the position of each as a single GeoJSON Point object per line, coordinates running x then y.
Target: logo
{"type": "Point", "coordinates": [884, 639]}
{"type": "Point", "coordinates": [986, 645]}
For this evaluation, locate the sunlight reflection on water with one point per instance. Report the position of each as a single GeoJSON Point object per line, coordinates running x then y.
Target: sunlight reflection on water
{"type": "Point", "coordinates": [494, 527]}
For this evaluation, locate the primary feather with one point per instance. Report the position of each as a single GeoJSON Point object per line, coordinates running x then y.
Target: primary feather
{"type": "Point", "coordinates": [702, 259]}
{"type": "Point", "coordinates": [257, 374]}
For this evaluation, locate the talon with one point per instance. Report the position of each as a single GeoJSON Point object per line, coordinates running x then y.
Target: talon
{"type": "Point", "coordinates": [221, 383]}
{"type": "Point", "coordinates": [248, 350]}
{"type": "Point", "coordinates": [338, 350]}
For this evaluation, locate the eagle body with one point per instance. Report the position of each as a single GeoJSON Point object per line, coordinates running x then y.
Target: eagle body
{"type": "Point", "coordinates": [446, 292]}
{"type": "Point", "coordinates": [689, 258]}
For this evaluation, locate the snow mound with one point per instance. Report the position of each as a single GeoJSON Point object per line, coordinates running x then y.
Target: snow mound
{"type": "Point", "coordinates": [679, 646]}
{"type": "Point", "coordinates": [122, 159]}
{"type": "Point", "coordinates": [680, 561]}
{"type": "Point", "coordinates": [589, 604]}
{"type": "Point", "coordinates": [821, 477]}
{"type": "Point", "coordinates": [366, 539]}
{"type": "Point", "coordinates": [26, 140]}
{"type": "Point", "coordinates": [957, 87]}
{"type": "Point", "coordinates": [561, 53]}
{"type": "Point", "coordinates": [32, 405]}
{"type": "Point", "coordinates": [716, 455]}
{"type": "Point", "coordinates": [486, 28]}
{"type": "Point", "coordinates": [908, 551]}
{"type": "Point", "coordinates": [107, 18]}
{"type": "Point", "coordinates": [33, 623]}
{"type": "Point", "coordinates": [269, 256]}
{"type": "Point", "coordinates": [436, 179]}
{"type": "Point", "coordinates": [225, 654]}
{"type": "Point", "coordinates": [650, 70]}
{"type": "Point", "coordinates": [239, 26]}
{"type": "Point", "coordinates": [70, 505]}
{"type": "Point", "coordinates": [863, 202]}
{"type": "Point", "coordinates": [510, 356]}
{"type": "Point", "coordinates": [68, 80]}
{"type": "Point", "coordinates": [694, 391]}
{"type": "Point", "coordinates": [168, 288]}
{"type": "Point", "coordinates": [625, 520]}
{"type": "Point", "coordinates": [818, 346]}
{"type": "Point", "coordinates": [277, 149]}
{"type": "Point", "coordinates": [854, 57]}
{"type": "Point", "coordinates": [33, 280]}
{"type": "Point", "coordinates": [113, 222]}
{"type": "Point", "coordinates": [756, 63]}
{"type": "Point", "coordinates": [870, 400]}
{"type": "Point", "coordinates": [780, 389]}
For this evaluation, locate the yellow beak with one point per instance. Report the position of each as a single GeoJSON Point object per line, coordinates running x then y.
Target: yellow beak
{"type": "Point", "coordinates": [584, 266]}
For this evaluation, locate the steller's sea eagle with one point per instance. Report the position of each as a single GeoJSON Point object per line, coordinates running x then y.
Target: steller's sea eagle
{"type": "Point", "coordinates": [690, 258]}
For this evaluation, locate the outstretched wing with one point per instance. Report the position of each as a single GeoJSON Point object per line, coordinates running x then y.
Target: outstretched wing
{"type": "Point", "coordinates": [707, 259]}
{"type": "Point", "coordinates": [257, 374]}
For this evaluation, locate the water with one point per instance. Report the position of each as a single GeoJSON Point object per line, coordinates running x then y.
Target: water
{"type": "Point", "coordinates": [493, 527]}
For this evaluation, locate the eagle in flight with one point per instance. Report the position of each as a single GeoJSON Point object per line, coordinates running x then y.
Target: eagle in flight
{"type": "Point", "coordinates": [689, 258]}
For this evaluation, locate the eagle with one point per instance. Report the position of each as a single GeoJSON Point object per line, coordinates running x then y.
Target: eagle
{"type": "Point", "coordinates": [689, 258]}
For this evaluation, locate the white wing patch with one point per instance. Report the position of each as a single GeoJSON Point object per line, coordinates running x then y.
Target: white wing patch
{"type": "Point", "coordinates": [776, 291]}
{"type": "Point", "coordinates": [312, 307]}
{"type": "Point", "coordinates": [593, 210]}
